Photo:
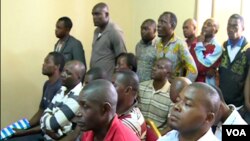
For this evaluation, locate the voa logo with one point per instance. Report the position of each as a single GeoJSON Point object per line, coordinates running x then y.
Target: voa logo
{"type": "Point", "coordinates": [236, 132]}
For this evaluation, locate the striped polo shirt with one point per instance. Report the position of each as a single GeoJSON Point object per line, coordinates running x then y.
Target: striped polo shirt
{"type": "Point", "coordinates": [134, 119]}
{"type": "Point", "coordinates": [155, 105]}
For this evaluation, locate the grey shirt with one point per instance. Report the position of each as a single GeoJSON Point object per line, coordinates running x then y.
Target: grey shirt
{"type": "Point", "coordinates": [146, 56]}
{"type": "Point", "coordinates": [106, 47]}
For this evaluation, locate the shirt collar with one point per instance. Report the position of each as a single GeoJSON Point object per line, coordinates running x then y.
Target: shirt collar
{"type": "Point", "coordinates": [152, 42]}
{"type": "Point", "coordinates": [207, 136]}
{"type": "Point", "coordinates": [164, 89]}
{"type": "Point", "coordinates": [238, 44]}
{"type": "Point", "coordinates": [173, 39]}
{"type": "Point", "coordinates": [130, 108]}
{"type": "Point", "coordinates": [77, 88]}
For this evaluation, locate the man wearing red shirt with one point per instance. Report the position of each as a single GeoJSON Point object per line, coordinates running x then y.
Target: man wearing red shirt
{"type": "Point", "coordinates": [97, 115]}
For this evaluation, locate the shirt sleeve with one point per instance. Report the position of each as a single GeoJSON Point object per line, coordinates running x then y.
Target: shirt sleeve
{"type": "Point", "coordinates": [78, 53]}
{"type": "Point", "coordinates": [209, 59]}
{"type": "Point", "coordinates": [60, 115]}
{"type": "Point", "coordinates": [188, 62]}
{"type": "Point", "coordinates": [118, 43]}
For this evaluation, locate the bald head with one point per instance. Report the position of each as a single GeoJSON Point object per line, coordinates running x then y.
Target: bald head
{"type": "Point", "coordinates": [207, 94]}
{"type": "Point", "coordinates": [177, 85]}
{"type": "Point", "coordinates": [102, 6]}
{"type": "Point", "coordinates": [100, 14]}
{"type": "Point", "coordinates": [104, 93]}
{"type": "Point", "coordinates": [72, 74]}
{"type": "Point", "coordinates": [210, 27]}
{"type": "Point", "coordinates": [195, 110]}
{"type": "Point", "coordinates": [191, 22]}
{"type": "Point", "coordinates": [95, 73]}
{"type": "Point", "coordinates": [189, 28]}
{"type": "Point", "coordinates": [78, 67]}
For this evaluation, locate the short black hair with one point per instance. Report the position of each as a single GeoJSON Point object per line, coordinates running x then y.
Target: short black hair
{"type": "Point", "coordinates": [58, 59]}
{"type": "Point", "coordinates": [151, 22]}
{"type": "Point", "coordinates": [173, 18]}
{"type": "Point", "coordinates": [237, 16]}
{"type": "Point", "coordinates": [131, 60]}
{"type": "Point", "coordinates": [67, 22]}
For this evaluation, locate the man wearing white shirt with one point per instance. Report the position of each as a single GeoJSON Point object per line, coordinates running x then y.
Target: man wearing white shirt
{"type": "Point", "coordinates": [193, 114]}
{"type": "Point", "coordinates": [227, 115]}
{"type": "Point", "coordinates": [56, 119]}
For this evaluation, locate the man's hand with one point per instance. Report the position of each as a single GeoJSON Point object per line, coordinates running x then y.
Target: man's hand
{"type": "Point", "coordinates": [211, 73]}
{"type": "Point", "coordinates": [201, 38]}
{"type": "Point", "coordinates": [19, 132]}
{"type": "Point", "coordinates": [52, 134]}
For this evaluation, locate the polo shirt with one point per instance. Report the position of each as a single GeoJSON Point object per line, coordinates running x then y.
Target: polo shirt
{"type": "Point", "coordinates": [106, 47]}
{"type": "Point", "coordinates": [155, 105]}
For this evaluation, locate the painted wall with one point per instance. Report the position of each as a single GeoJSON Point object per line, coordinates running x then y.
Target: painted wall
{"type": "Point", "coordinates": [27, 35]}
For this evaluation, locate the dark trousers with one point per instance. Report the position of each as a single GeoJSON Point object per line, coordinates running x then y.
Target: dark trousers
{"type": "Point", "coordinates": [33, 137]}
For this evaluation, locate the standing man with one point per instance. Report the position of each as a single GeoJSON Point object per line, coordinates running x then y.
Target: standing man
{"type": "Point", "coordinates": [108, 40]}
{"type": "Point", "coordinates": [189, 31]}
{"type": "Point", "coordinates": [174, 48]}
{"type": "Point", "coordinates": [234, 66]}
{"type": "Point", "coordinates": [145, 50]}
{"type": "Point", "coordinates": [207, 52]}
{"type": "Point", "coordinates": [70, 47]}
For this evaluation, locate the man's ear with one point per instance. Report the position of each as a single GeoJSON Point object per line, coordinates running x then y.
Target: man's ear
{"type": "Point", "coordinates": [57, 67]}
{"type": "Point", "coordinates": [210, 118]}
{"type": "Point", "coordinates": [107, 14]}
{"type": "Point", "coordinates": [128, 89]}
{"type": "Point", "coordinates": [106, 108]}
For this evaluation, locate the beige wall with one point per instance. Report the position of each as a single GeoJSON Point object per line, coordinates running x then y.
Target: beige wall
{"type": "Point", "coordinates": [27, 35]}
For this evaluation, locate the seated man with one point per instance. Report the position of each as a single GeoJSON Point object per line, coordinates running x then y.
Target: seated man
{"type": "Point", "coordinates": [97, 116]}
{"type": "Point", "coordinates": [154, 94]}
{"type": "Point", "coordinates": [177, 85]}
{"type": "Point", "coordinates": [227, 115]}
{"type": "Point", "coordinates": [55, 121]}
{"type": "Point", "coordinates": [127, 87]}
{"type": "Point", "coordinates": [193, 114]}
{"type": "Point", "coordinates": [52, 67]}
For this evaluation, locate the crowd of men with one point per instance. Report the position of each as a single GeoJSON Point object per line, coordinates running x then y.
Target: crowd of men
{"type": "Point", "coordinates": [186, 87]}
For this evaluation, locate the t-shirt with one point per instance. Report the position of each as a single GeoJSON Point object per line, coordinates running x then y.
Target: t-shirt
{"type": "Point", "coordinates": [117, 132]}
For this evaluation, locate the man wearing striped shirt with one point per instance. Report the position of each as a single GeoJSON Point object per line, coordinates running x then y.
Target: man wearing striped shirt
{"type": "Point", "coordinates": [127, 87]}
{"type": "Point", "coordinates": [154, 94]}
{"type": "Point", "coordinates": [55, 121]}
